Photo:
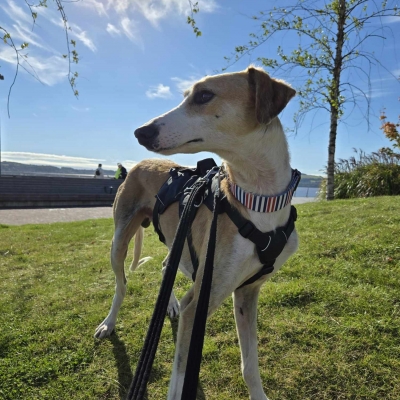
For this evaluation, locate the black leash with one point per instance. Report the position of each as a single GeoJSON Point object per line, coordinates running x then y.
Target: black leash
{"type": "Point", "coordinates": [143, 369]}
{"type": "Point", "coordinates": [193, 196]}
{"type": "Point", "coordinates": [199, 326]}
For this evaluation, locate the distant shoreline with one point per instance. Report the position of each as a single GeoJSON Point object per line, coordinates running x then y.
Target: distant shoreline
{"type": "Point", "coordinates": [13, 168]}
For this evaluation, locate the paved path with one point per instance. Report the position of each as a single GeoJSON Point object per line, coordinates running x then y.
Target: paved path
{"type": "Point", "coordinates": [301, 200]}
{"type": "Point", "coordinates": [48, 215]}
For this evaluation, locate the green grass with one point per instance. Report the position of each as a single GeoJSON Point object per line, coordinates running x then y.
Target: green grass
{"type": "Point", "coordinates": [328, 322]}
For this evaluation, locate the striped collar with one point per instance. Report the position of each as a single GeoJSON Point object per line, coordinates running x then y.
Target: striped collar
{"type": "Point", "coordinates": [262, 203]}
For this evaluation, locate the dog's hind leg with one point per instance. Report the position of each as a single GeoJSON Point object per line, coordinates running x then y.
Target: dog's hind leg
{"type": "Point", "coordinates": [122, 236]}
{"type": "Point", "coordinates": [245, 302]}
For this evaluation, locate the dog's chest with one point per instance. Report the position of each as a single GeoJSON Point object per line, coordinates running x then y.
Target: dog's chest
{"type": "Point", "coordinates": [234, 254]}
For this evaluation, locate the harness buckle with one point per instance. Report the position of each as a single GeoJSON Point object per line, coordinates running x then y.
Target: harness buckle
{"type": "Point", "coordinates": [247, 229]}
{"type": "Point", "coordinates": [210, 173]}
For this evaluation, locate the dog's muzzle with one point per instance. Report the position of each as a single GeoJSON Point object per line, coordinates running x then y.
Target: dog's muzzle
{"type": "Point", "coordinates": [147, 134]}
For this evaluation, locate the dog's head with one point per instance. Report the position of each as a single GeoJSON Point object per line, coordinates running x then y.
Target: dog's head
{"type": "Point", "coordinates": [216, 109]}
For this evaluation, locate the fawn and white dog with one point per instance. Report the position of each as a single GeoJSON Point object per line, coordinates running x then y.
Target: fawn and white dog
{"type": "Point", "coordinates": [235, 116]}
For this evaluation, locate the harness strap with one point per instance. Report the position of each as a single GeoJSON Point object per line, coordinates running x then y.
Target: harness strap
{"type": "Point", "coordinates": [268, 244]}
{"type": "Point", "coordinates": [192, 371]}
{"type": "Point", "coordinates": [192, 251]}
{"type": "Point", "coordinates": [193, 254]}
{"type": "Point", "coordinates": [156, 220]}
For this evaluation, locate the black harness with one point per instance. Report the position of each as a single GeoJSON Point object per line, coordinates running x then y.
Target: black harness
{"type": "Point", "coordinates": [178, 188]}
{"type": "Point", "coordinates": [192, 188]}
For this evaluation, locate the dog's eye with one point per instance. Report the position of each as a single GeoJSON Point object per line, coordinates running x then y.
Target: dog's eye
{"type": "Point", "coordinates": [203, 97]}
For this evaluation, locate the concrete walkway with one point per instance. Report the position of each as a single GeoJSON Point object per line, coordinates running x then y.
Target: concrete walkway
{"type": "Point", "coordinates": [49, 215]}
{"type": "Point", "coordinates": [301, 200]}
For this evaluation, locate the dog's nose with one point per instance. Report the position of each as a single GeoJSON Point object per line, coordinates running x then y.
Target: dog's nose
{"type": "Point", "coordinates": [147, 133]}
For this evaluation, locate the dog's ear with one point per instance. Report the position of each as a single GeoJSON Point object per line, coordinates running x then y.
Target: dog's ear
{"type": "Point", "coordinates": [270, 95]}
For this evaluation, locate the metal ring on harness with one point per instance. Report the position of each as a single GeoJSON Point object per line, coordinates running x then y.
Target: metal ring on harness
{"type": "Point", "coordinates": [200, 202]}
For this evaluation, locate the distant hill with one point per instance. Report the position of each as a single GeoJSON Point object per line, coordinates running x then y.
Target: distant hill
{"type": "Point", "coordinates": [311, 181]}
{"type": "Point", "coordinates": [13, 168]}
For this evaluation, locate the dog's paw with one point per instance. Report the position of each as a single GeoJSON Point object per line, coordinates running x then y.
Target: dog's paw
{"type": "Point", "coordinates": [105, 329]}
{"type": "Point", "coordinates": [173, 308]}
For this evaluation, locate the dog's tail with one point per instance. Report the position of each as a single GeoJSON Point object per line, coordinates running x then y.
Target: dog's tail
{"type": "Point", "coordinates": [138, 250]}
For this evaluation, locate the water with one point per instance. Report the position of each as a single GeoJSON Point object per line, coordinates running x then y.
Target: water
{"type": "Point", "coordinates": [306, 192]}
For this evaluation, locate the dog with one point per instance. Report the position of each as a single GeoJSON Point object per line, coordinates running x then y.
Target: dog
{"type": "Point", "coordinates": [234, 115]}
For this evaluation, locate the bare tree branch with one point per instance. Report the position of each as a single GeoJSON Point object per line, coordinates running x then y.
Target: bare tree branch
{"type": "Point", "coordinates": [71, 55]}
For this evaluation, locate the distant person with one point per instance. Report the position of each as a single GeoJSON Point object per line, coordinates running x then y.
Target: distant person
{"type": "Point", "coordinates": [121, 172]}
{"type": "Point", "coordinates": [99, 173]}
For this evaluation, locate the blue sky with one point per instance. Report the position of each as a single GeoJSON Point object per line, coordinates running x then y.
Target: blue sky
{"type": "Point", "coordinates": [136, 59]}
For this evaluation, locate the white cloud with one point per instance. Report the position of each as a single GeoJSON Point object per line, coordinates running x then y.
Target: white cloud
{"type": "Point", "coordinates": [112, 30]}
{"type": "Point", "coordinates": [49, 70]}
{"type": "Point", "coordinates": [119, 5]}
{"type": "Point", "coordinates": [21, 31]}
{"type": "Point", "coordinates": [62, 161]}
{"type": "Point", "coordinates": [25, 35]}
{"type": "Point", "coordinates": [52, 68]}
{"type": "Point", "coordinates": [98, 6]}
{"type": "Point", "coordinates": [75, 31]}
{"type": "Point", "coordinates": [49, 159]}
{"type": "Point", "coordinates": [159, 91]}
{"type": "Point", "coordinates": [129, 29]}
{"type": "Point", "coordinates": [183, 84]}
{"type": "Point", "coordinates": [81, 109]}
{"type": "Point", "coordinates": [83, 37]}
{"type": "Point", "coordinates": [391, 20]}
{"type": "Point", "coordinates": [376, 93]}
{"type": "Point", "coordinates": [152, 10]}
{"type": "Point", "coordinates": [155, 10]}
{"type": "Point", "coordinates": [16, 13]}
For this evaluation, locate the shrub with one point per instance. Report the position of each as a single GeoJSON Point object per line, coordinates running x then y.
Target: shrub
{"type": "Point", "coordinates": [376, 174]}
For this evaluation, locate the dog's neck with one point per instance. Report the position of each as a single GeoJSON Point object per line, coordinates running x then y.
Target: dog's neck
{"type": "Point", "coordinates": [260, 164]}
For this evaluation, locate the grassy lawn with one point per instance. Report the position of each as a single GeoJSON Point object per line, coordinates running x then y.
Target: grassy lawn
{"type": "Point", "coordinates": [329, 322]}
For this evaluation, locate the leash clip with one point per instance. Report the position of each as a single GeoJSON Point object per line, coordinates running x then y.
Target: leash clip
{"type": "Point", "coordinates": [200, 202]}
{"type": "Point", "coordinates": [210, 173]}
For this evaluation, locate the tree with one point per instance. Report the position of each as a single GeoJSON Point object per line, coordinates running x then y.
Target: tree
{"type": "Point", "coordinates": [21, 55]}
{"type": "Point", "coordinates": [332, 36]}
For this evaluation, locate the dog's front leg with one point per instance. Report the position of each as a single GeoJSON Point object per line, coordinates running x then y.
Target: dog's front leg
{"type": "Point", "coordinates": [245, 302]}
